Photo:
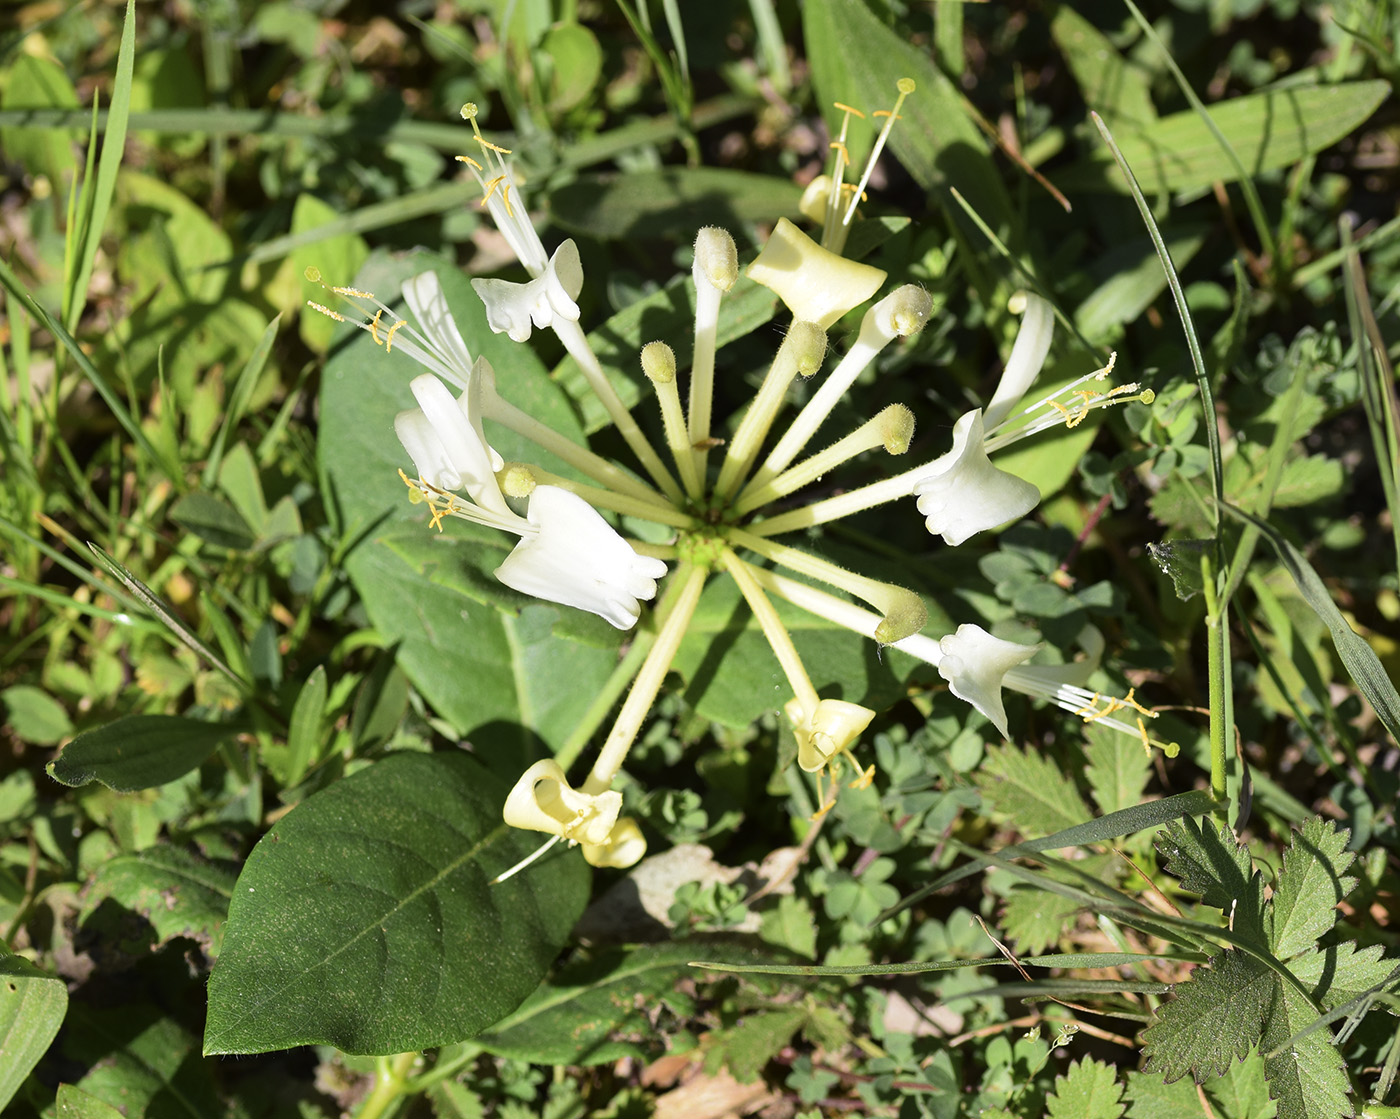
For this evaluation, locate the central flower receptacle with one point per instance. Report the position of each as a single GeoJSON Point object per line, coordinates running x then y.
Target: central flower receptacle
{"type": "Point", "coordinates": [702, 546]}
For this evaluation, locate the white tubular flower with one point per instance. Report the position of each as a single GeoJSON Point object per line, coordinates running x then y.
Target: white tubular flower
{"type": "Point", "coordinates": [1027, 357]}
{"type": "Point", "coordinates": [974, 663]}
{"type": "Point", "coordinates": [543, 800]}
{"type": "Point", "coordinates": [625, 845]}
{"type": "Point", "coordinates": [962, 493]}
{"type": "Point", "coordinates": [831, 729]}
{"type": "Point", "coordinates": [512, 308]}
{"type": "Point", "coordinates": [425, 298]}
{"type": "Point", "coordinates": [444, 438]}
{"type": "Point", "coordinates": [574, 557]}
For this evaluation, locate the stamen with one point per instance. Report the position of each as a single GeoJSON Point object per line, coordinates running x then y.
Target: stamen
{"type": "Point", "coordinates": [490, 188]}
{"type": "Point", "coordinates": [356, 292]}
{"type": "Point", "coordinates": [485, 143]}
{"type": "Point", "coordinates": [374, 328]}
{"type": "Point", "coordinates": [848, 109]}
{"type": "Point", "coordinates": [840, 148]}
{"type": "Point", "coordinates": [1146, 742]}
{"type": "Point", "coordinates": [326, 311]}
{"type": "Point", "coordinates": [865, 778]}
{"type": "Point", "coordinates": [470, 162]}
{"type": "Point", "coordinates": [389, 338]}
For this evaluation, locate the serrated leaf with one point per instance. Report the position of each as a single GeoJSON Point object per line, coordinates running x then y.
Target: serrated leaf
{"type": "Point", "coordinates": [364, 918]}
{"type": "Point", "coordinates": [1036, 919]}
{"type": "Point", "coordinates": [1243, 1093]}
{"type": "Point", "coordinates": [138, 751]}
{"type": "Point", "coordinates": [177, 893]}
{"type": "Point", "coordinates": [1117, 771]}
{"type": "Point", "coordinates": [1340, 973]}
{"type": "Point", "coordinates": [1308, 1077]}
{"type": "Point", "coordinates": [1311, 883]}
{"type": "Point", "coordinates": [1148, 1096]}
{"type": "Point", "coordinates": [600, 1009]}
{"type": "Point", "coordinates": [32, 1005]}
{"type": "Point", "coordinates": [1213, 1018]}
{"type": "Point", "coordinates": [1308, 479]}
{"type": "Point", "coordinates": [1089, 1090]}
{"type": "Point", "coordinates": [1214, 865]}
{"type": "Point", "coordinates": [1030, 789]}
{"type": "Point", "coordinates": [756, 1041]}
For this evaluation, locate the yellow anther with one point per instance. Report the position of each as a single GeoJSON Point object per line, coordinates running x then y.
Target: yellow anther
{"type": "Point", "coordinates": [886, 113]}
{"type": "Point", "coordinates": [389, 338]}
{"type": "Point", "coordinates": [415, 490]}
{"type": "Point", "coordinates": [1055, 404]}
{"type": "Point", "coordinates": [838, 146]}
{"type": "Point", "coordinates": [313, 274]}
{"type": "Point", "coordinates": [469, 161]}
{"type": "Point", "coordinates": [1091, 709]}
{"type": "Point", "coordinates": [848, 109]}
{"type": "Point", "coordinates": [326, 311]}
{"type": "Point", "coordinates": [1146, 742]}
{"type": "Point", "coordinates": [492, 147]}
{"type": "Point", "coordinates": [863, 781]}
{"type": "Point", "coordinates": [374, 327]}
{"type": "Point", "coordinates": [356, 292]}
{"type": "Point", "coordinates": [1129, 701]}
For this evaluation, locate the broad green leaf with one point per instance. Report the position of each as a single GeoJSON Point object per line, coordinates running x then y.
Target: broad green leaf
{"type": "Point", "coordinates": [70, 1103]}
{"type": "Point", "coordinates": [34, 715]}
{"type": "Point", "coordinates": [1120, 90]}
{"type": "Point", "coordinates": [1090, 1090]}
{"type": "Point", "coordinates": [601, 1009]}
{"type": "Point", "coordinates": [671, 203]}
{"type": "Point", "coordinates": [337, 258]}
{"type": "Point", "coordinates": [1342, 973]}
{"type": "Point", "coordinates": [1360, 659]}
{"type": "Point", "coordinates": [1030, 789]}
{"type": "Point", "coordinates": [140, 1062]}
{"type": "Point", "coordinates": [1308, 479]}
{"type": "Point", "coordinates": [32, 1005]}
{"type": "Point", "coordinates": [1134, 281]}
{"type": "Point", "coordinates": [214, 520]}
{"type": "Point", "coordinates": [364, 919]}
{"type": "Point", "coordinates": [1271, 129]}
{"type": "Point", "coordinates": [1307, 1076]}
{"type": "Point", "coordinates": [1213, 864]}
{"type": "Point", "coordinates": [1310, 885]}
{"type": "Point", "coordinates": [1214, 1018]}
{"type": "Point", "coordinates": [304, 734]}
{"type": "Point", "coordinates": [856, 59]}
{"type": "Point", "coordinates": [138, 751]}
{"type": "Point", "coordinates": [577, 64]}
{"type": "Point", "coordinates": [177, 893]}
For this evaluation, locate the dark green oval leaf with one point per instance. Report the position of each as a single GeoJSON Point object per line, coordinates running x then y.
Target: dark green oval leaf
{"type": "Point", "coordinates": [138, 752]}
{"type": "Point", "coordinates": [214, 520]}
{"type": "Point", "coordinates": [32, 1005]}
{"type": "Point", "coordinates": [363, 919]}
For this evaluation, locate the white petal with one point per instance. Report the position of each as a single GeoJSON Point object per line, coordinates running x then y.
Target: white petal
{"type": "Point", "coordinates": [974, 663]}
{"type": "Point", "coordinates": [461, 440]}
{"type": "Point", "coordinates": [1027, 356]}
{"type": "Point", "coordinates": [577, 559]}
{"type": "Point", "coordinates": [425, 300]}
{"type": "Point", "coordinates": [430, 457]}
{"type": "Point", "coordinates": [833, 727]}
{"type": "Point", "coordinates": [964, 494]}
{"type": "Point", "coordinates": [513, 308]}
{"type": "Point", "coordinates": [625, 846]}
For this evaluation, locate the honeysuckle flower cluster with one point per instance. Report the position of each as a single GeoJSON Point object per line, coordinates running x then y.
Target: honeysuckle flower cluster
{"type": "Point", "coordinates": [716, 495]}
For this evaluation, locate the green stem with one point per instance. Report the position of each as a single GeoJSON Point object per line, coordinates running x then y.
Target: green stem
{"type": "Point", "coordinates": [389, 1086]}
{"type": "Point", "coordinates": [1217, 665]}
{"type": "Point", "coordinates": [627, 667]}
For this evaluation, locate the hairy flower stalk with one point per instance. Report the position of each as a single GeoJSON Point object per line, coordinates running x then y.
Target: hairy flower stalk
{"type": "Point", "coordinates": [570, 553]}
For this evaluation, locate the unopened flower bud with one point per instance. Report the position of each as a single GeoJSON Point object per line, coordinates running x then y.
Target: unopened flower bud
{"type": "Point", "coordinates": [905, 310]}
{"type": "Point", "coordinates": [905, 616]}
{"type": "Point", "coordinates": [659, 362]}
{"type": "Point", "coordinates": [816, 285]}
{"type": "Point", "coordinates": [896, 428]}
{"type": "Point", "coordinates": [716, 257]}
{"type": "Point", "coordinates": [516, 479]}
{"type": "Point", "coordinates": [807, 343]}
